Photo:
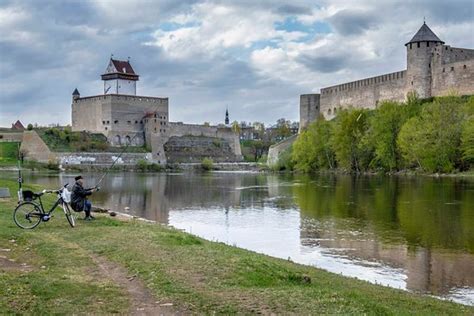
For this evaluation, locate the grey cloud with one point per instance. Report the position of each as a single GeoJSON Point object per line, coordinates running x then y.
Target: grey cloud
{"type": "Point", "coordinates": [289, 9]}
{"type": "Point", "coordinates": [324, 64]}
{"type": "Point", "coordinates": [353, 22]}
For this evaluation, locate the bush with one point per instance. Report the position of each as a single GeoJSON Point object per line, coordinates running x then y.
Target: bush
{"type": "Point", "coordinates": [144, 165]}
{"type": "Point", "coordinates": [207, 164]}
{"type": "Point", "coordinates": [52, 165]}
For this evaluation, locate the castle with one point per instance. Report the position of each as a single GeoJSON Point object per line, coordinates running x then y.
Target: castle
{"type": "Point", "coordinates": [433, 69]}
{"type": "Point", "coordinates": [128, 119]}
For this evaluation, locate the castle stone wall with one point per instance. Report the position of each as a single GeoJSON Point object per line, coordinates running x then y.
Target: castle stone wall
{"type": "Point", "coordinates": [363, 93]}
{"type": "Point", "coordinates": [119, 117]}
{"type": "Point", "coordinates": [455, 77]}
{"type": "Point", "coordinates": [158, 139]}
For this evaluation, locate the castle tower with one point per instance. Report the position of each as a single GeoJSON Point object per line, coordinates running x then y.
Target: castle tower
{"type": "Point", "coordinates": [226, 117]}
{"type": "Point", "coordinates": [75, 95]}
{"type": "Point", "coordinates": [419, 61]}
{"type": "Point", "coordinates": [120, 78]}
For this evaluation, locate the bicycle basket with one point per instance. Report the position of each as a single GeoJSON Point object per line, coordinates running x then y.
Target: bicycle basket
{"type": "Point", "coordinates": [28, 195]}
{"type": "Point", "coordinates": [66, 195]}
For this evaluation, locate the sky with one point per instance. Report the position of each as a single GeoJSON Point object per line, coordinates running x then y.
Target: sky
{"type": "Point", "coordinates": [253, 57]}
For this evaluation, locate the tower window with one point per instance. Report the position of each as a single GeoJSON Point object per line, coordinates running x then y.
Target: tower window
{"type": "Point", "coordinates": [452, 68]}
{"type": "Point", "coordinates": [116, 122]}
{"type": "Point", "coordinates": [412, 83]}
{"type": "Point", "coordinates": [464, 67]}
{"type": "Point", "coordinates": [444, 70]}
{"type": "Point", "coordinates": [427, 44]}
{"type": "Point", "coordinates": [410, 45]}
{"type": "Point", "coordinates": [418, 44]}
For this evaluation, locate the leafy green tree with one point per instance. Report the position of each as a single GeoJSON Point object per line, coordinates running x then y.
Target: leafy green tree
{"type": "Point", "coordinates": [467, 140]}
{"type": "Point", "coordinates": [385, 125]}
{"type": "Point", "coordinates": [347, 142]}
{"type": "Point", "coordinates": [236, 127]}
{"type": "Point", "coordinates": [312, 150]}
{"type": "Point", "coordinates": [432, 140]}
{"type": "Point", "coordinates": [29, 127]}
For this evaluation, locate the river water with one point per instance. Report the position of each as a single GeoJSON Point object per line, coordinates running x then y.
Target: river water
{"type": "Point", "coordinates": [412, 233]}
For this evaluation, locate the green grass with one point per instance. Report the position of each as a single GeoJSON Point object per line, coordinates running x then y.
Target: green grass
{"type": "Point", "coordinates": [198, 276]}
{"type": "Point", "coordinates": [64, 140]}
{"type": "Point", "coordinates": [8, 153]}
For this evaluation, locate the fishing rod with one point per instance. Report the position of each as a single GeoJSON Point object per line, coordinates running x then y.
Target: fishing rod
{"type": "Point", "coordinates": [120, 154]}
{"type": "Point", "coordinates": [20, 178]}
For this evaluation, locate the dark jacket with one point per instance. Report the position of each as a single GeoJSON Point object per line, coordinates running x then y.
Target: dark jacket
{"type": "Point", "coordinates": [78, 196]}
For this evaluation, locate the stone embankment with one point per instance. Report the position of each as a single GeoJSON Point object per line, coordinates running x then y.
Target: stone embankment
{"type": "Point", "coordinates": [276, 150]}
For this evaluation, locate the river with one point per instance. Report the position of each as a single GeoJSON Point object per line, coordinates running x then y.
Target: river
{"type": "Point", "coordinates": [412, 233]}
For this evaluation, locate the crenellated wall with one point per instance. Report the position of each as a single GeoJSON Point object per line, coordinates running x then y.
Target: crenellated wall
{"type": "Point", "coordinates": [363, 93]}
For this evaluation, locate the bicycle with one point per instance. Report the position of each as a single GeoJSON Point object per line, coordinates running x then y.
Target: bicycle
{"type": "Point", "coordinates": [29, 214]}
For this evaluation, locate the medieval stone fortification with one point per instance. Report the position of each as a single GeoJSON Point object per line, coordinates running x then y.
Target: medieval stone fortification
{"type": "Point", "coordinates": [433, 69]}
{"type": "Point", "coordinates": [127, 119]}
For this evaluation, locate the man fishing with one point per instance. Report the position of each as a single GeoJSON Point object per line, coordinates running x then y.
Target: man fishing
{"type": "Point", "coordinates": [79, 196]}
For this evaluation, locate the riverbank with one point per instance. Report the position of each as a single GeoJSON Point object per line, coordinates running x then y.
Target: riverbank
{"type": "Point", "coordinates": [82, 270]}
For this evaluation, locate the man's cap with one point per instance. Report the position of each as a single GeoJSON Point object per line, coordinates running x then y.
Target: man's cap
{"type": "Point", "coordinates": [78, 177]}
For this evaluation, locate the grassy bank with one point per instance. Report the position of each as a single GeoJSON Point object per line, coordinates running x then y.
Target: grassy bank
{"type": "Point", "coordinates": [55, 270]}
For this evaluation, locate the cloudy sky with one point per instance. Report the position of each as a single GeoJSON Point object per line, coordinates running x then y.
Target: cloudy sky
{"type": "Point", "coordinates": [254, 57]}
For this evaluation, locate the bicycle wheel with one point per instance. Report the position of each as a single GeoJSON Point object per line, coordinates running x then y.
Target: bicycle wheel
{"type": "Point", "coordinates": [27, 215]}
{"type": "Point", "coordinates": [69, 215]}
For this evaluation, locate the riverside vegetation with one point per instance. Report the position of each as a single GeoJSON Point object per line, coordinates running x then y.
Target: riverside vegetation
{"type": "Point", "coordinates": [53, 270]}
{"type": "Point", "coordinates": [434, 135]}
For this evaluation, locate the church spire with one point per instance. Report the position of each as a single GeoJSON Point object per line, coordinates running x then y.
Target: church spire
{"type": "Point", "coordinates": [226, 116]}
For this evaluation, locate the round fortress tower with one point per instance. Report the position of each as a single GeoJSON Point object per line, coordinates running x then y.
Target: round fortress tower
{"type": "Point", "coordinates": [419, 61]}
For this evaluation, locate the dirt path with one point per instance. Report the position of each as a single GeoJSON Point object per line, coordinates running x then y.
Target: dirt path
{"type": "Point", "coordinates": [141, 299]}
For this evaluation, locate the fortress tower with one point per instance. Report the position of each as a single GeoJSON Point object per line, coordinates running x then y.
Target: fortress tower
{"type": "Point", "coordinates": [120, 78]}
{"type": "Point", "coordinates": [419, 61]}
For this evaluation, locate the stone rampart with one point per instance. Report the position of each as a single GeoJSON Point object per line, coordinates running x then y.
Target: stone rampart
{"type": "Point", "coordinates": [11, 137]}
{"type": "Point", "coordinates": [276, 150]}
{"type": "Point", "coordinates": [363, 93]}
{"type": "Point", "coordinates": [34, 148]}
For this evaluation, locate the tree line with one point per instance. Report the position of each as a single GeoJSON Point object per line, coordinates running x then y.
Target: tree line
{"type": "Point", "coordinates": [433, 135]}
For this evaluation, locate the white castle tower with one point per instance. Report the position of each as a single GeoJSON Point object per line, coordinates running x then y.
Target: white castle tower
{"type": "Point", "coordinates": [120, 78]}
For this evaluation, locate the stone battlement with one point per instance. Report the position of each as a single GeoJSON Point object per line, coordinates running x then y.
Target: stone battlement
{"type": "Point", "coordinates": [398, 75]}
{"type": "Point", "coordinates": [121, 97]}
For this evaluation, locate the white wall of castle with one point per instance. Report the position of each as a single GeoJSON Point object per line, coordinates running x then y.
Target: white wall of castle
{"type": "Point", "coordinates": [120, 86]}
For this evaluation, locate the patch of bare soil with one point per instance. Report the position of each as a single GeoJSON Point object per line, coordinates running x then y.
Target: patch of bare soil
{"type": "Point", "coordinates": [9, 265]}
{"type": "Point", "coordinates": [143, 302]}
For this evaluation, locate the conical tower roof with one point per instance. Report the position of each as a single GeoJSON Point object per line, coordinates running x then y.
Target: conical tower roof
{"type": "Point", "coordinates": [425, 34]}
{"type": "Point", "coordinates": [75, 92]}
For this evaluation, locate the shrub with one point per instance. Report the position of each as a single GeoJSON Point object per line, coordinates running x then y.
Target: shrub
{"type": "Point", "coordinates": [207, 164]}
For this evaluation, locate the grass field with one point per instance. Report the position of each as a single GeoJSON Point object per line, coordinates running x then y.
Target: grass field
{"type": "Point", "coordinates": [55, 270]}
{"type": "Point", "coordinates": [8, 153]}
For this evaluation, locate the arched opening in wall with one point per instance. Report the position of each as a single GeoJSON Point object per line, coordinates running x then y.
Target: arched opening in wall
{"type": "Point", "coordinates": [128, 140]}
{"type": "Point", "coordinates": [329, 112]}
{"type": "Point", "coordinates": [335, 110]}
{"type": "Point", "coordinates": [464, 67]}
{"type": "Point", "coordinates": [118, 140]}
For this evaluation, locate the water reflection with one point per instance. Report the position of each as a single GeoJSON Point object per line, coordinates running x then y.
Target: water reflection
{"type": "Point", "coordinates": [410, 233]}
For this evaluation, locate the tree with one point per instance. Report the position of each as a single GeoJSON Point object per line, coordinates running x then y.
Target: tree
{"type": "Point", "coordinates": [236, 127]}
{"type": "Point", "coordinates": [385, 125]}
{"type": "Point", "coordinates": [432, 140]}
{"type": "Point", "coordinates": [312, 150]}
{"type": "Point", "coordinates": [347, 141]}
{"type": "Point", "coordinates": [207, 124]}
{"type": "Point", "coordinates": [283, 128]}
{"type": "Point", "coordinates": [29, 127]}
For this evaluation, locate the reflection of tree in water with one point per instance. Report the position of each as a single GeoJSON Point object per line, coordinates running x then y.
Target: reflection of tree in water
{"type": "Point", "coordinates": [424, 225]}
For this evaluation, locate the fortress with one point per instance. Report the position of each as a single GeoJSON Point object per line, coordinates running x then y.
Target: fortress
{"type": "Point", "coordinates": [127, 119]}
{"type": "Point", "coordinates": [433, 69]}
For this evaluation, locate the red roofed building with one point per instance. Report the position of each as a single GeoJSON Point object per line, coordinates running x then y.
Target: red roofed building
{"type": "Point", "coordinates": [18, 126]}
